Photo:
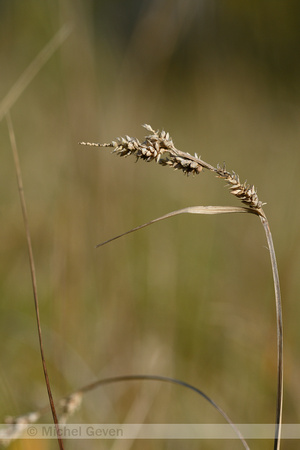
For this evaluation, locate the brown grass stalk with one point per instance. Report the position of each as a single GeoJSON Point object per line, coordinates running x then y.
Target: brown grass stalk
{"type": "Point", "coordinates": [32, 270]}
{"type": "Point", "coordinates": [6, 104]}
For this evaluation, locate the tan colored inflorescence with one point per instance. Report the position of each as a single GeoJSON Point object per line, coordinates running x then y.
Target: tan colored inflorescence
{"type": "Point", "coordinates": [159, 147]}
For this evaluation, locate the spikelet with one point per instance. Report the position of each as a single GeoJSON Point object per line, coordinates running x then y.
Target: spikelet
{"type": "Point", "coordinates": [245, 192]}
{"type": "Point", "coordinates": [158, 147]}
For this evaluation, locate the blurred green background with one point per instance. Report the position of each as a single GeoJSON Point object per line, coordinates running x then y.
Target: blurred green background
{"type": "Point", "coordinates": [191, 297]}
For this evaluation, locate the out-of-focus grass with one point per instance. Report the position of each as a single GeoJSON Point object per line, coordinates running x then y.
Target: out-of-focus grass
{"type": "Point", "coordinates": [191, 297]}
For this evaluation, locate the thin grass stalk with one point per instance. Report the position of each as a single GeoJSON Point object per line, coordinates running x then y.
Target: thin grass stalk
{"type": "Point", "coordinates": [32, 270]}
{"type": "Point", "coordinates": [33, 69]}
{"type": "Point", "coordinates": [278, 423]}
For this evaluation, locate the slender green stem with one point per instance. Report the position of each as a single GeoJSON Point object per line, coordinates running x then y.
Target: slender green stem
{"type": "Point", "coordinates": [279, 333]}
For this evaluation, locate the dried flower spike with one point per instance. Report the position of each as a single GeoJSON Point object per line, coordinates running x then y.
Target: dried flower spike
{"type": "Point", "coordinates": [159, 147]}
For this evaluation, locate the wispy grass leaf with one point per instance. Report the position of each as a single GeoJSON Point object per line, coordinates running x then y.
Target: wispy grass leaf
{"type": "Point", "coordinates": [188, 210]}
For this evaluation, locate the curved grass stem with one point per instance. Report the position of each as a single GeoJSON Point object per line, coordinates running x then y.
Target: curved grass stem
{"type": "Point", "coordinates": [279, 332]}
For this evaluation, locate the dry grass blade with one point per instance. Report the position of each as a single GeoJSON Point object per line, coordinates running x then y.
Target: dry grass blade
{"type": "Point", "coordinates": [32, 70]}
{"type": "Point", "coordinates": [188, 210]}
{"type": "Point", "coordinates": [32, 270]}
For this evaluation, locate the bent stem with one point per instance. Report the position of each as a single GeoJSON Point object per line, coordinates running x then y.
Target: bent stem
{"type": "Point", "coordinates": [104, 381]}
